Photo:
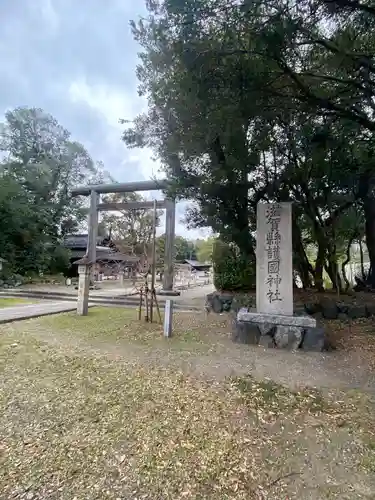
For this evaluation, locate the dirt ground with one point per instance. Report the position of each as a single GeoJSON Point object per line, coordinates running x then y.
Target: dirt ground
{"type": "Point", "coordinates": [104, 407]}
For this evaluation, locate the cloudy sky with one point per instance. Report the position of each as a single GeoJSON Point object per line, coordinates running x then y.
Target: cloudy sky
{"type": "Point", "coordinates": [76, 59]}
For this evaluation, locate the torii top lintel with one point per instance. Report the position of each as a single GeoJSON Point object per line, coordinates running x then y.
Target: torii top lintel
{"type": "Point", "coordinates": [125, 187]}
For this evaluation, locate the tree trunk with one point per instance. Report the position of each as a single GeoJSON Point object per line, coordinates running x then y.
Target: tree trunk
{"type": "Point", "coordinates": [304, 268]}
{"type": "Point", "coordinates": [333, 272]}
{"type": "Point", "coordinates": [304, 274]}
{"type": "Point", "coordinates": [319, 267]}
{"type": "Point", "coordinates": [362, 260]}
{"type": "Point", "coordinates": [245, 243]}
{"type": "Point", "coordinates": [369, 209]}
{"type": "Point", "coordinates": [346, 262]}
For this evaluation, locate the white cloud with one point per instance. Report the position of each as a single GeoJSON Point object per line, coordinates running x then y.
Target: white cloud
{"type": "Point", "coordinates": [49, 15]}
{"type": "Point", "coordinates": [104, 99]}
{"type": "Point", "coordinates": [53, 56]}
{"type": "Point", "coordinates": [113, 105]}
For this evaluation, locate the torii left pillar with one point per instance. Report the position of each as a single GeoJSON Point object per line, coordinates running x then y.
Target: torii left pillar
{"type": "Point", "coordinates": [84, 270]}
{"type": "Point", "coordinates": [170, 223]}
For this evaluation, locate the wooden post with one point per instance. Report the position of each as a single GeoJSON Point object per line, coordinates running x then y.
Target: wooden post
{"type": "Point", "coordinates": [153, 264]}
{"type": "Point", "coordinates": [157, 307]}
{"type": "Point", "coordinates": [140, 304]}
{"type": "Point", "coordinates": [146, 304]}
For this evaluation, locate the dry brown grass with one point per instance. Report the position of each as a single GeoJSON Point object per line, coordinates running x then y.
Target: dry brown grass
{"type": "Point", "coordinates": [74, 425]}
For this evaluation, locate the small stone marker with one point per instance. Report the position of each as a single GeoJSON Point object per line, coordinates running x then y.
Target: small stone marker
{"type": "Point", "coordinates": [168, 316]}
{"type": "Point", "coordinates": [83, 290]}
{"type": "Point", "coordinates": [121, 278]}
{"type": "Point", "coordinates": [274, 272]}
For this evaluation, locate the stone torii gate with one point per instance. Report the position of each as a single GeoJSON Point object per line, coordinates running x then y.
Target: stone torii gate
{"type": "Point", "coordinates": [94, 191]}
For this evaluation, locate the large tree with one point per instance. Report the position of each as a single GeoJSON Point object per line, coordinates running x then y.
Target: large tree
{"type": "Point", "coordinates": [40, 166]}
{"type": "Point", "coordinates": [204, 249]}
{"type": "Point", "coordinates": [130, 230]}
{"type": "Point", "coordinates": [183, 249]}
{"type": "Point", "coordinates": [209, 157]}
{"type": "Point", "coordinates": [269, 101]}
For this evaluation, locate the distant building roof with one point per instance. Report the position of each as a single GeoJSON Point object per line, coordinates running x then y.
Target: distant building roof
{"type": "Point", "coordinates": [79, 241]}
{"type": "Point", "coordinates": [196, 263]}
{"type": "Point", "coordinates": [110, 257]}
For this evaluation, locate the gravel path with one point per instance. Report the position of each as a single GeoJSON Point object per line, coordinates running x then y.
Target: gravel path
{"type": "Point", "coordinates": [24, 311]}
{"type": "Point", "coordinates": [323, 371]}
{"type": "Point", "coordinates": [212, 355]}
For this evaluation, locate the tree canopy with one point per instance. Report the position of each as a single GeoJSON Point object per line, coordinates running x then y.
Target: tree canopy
{"type": "Point", "coordinates": [130, 230]}
{"type": "Point", "coordinates": [39, 166]}
{"type": "Point", "coordinates": [183, 249]}
{"type": "Point", "coordinates": [260, 100]}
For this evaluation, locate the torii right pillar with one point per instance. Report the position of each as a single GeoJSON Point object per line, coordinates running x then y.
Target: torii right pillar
{"type": "Point", "coordinates": [170, 227]}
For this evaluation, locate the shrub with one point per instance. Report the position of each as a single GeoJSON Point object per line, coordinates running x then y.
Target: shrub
{"type": "Point", "coordinates": [59, 260]}
{"type": "Point", "coordinates": [232, 271]}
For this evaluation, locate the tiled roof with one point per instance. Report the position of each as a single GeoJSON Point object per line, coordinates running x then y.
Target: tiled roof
{"type": "Point", "coordinates": [110, 257]}
{"type": "Point", "coordinates": [78, 241]}
{"type": "Point", "coordinates": [196, 263]}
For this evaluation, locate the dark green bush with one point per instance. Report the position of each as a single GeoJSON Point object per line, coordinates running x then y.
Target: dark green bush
{"type": "Point", "coordinates": [232, 271]}
{"type": "Point", "coordinates": [59, 261]}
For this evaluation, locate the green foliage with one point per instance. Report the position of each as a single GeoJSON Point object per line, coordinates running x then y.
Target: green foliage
{"type": "Point", "coordinates": [204, 249]}
{"type": "Point", "coordinates": [40, 166]}
{"type": "Point", "coordinates": [131, 230]}
{"type": "Point", "coordinates": [232, 271]}
{"type": "Point", "coordinates": [59, 260]}
{"type": "Point", "coordinates": [183, 249]}
{"type": "Point", "coordinates": [265, 101]}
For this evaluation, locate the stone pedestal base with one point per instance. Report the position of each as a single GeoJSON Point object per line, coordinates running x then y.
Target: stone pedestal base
{"type": "Point", "coordinates": [277, 330]}
{"type": "Point", "coordinates": [245, 333]}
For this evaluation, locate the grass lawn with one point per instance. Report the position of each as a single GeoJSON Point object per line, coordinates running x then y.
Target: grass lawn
{"type": "Point", "coordinates": [78, 425]}
{"type": "Point", "coordinates": [121, 326]}
{"type": "Point", "coordinates": [9, 302]}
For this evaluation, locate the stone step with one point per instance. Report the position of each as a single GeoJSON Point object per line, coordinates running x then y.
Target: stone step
{"type": "Point", "coordinates": [131, 301]}
{"type": "Point", "coordinates": [65, 294]}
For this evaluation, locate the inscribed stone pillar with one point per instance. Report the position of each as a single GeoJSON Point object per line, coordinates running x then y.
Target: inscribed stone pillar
{"type": "Point", "coordinates": [83, 290]}
{"type": "Point", "coordinates": [274, 259]}
{"type": "Point", "coordinates": [168, 318]}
